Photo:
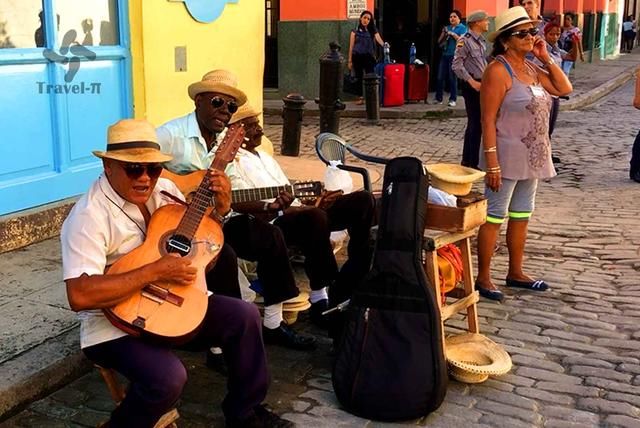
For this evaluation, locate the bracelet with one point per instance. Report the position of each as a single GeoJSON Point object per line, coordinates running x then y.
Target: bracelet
{"type": "Point", "coordinates": [494, 169]}
{"type": "Point", "coordinates": [491, 149]}
{"type": "Point", "coordinates": [222, 219]}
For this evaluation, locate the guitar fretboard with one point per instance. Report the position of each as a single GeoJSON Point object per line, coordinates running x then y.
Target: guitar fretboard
{"type": "Point", "coordinates": [248, 195]}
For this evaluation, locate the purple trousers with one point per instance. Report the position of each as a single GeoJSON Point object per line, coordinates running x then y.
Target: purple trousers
{"type": "Point", "coordinates": [157, 375]}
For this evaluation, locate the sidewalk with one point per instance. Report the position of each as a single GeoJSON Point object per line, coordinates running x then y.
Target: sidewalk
{"type": "Point", "coordinates": [591, 81]}
{"type": "Point", "coordinates": [39, 333]}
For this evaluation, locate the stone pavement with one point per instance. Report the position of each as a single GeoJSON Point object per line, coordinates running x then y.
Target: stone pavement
{"type": "Point", "coordinates": [575, 348]}
{"type": "Point", "coordinates": [590, 82]}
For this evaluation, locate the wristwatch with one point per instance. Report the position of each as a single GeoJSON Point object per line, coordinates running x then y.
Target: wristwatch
{"type": "Point", "coordinates": [550, 62]}
{"type": "Point", "coordinates": [222, 219]}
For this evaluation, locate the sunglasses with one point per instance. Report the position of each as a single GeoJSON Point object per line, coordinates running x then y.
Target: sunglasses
{"type": "Point", "coordinates": [136, 170]}
{"type": "Point", "coordinates": [218, 102]}
{"type": "Point", "coordinates": [523, 33]}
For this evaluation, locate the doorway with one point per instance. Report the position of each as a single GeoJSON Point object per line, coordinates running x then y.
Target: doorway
{"type": "Point", "coordinates": [272, 17]}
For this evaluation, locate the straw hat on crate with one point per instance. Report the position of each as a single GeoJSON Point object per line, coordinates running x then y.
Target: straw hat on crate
{"type": "Point", "coordinates": [452, 178]}
{"type": "Point", "coordinates": [473, 357]}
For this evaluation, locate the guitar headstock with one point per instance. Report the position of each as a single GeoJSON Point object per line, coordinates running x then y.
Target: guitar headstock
{"type": "Point", "coordinates": [229, 146]}
{"type": "Point", "coordinates": [307, 189]}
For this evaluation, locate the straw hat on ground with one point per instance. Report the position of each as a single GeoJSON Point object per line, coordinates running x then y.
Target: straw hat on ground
{"type": "Point", "coordinates": [219, 81]}
{"type": "Point", "coordinates": [453, 178]}
{"type": "Point", "coordinates": [473, 357]}
{"type": "Point", "coordinates": [510, 19]}
{"type": "Point", "coordinates": [244, 112]}
{"type": "Point", "coordinates": [133, 140]}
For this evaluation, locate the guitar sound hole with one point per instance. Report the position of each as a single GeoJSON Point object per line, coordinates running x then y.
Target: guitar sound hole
{"type": "Point", "coordinates": [179, 244]}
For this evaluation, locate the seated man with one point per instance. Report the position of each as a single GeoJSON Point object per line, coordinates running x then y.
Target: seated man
{"type": "Point", "coordinates": [307, 228]}
{"type": "Point", "coordinates": [192, 140]}
{"type": "Point", "coordinates": [108, 222]}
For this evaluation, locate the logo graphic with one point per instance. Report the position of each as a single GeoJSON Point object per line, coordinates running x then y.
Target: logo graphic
{"type": "Point", "coordinates": [206, 11]}
{"type": "Point", "coordinates": [69, 46]}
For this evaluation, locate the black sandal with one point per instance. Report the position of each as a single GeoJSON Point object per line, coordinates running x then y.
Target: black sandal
{"type": "Point", "coordinates": [538, 285]}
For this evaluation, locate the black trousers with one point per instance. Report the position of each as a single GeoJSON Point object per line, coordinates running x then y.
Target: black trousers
{"type": "Point", "coordinates": [259, 241]}
{"type": "Point", "coordinates": [362, 64]}
{"type": "Point", "coordinates": [553, 117]}
{"type": "Point", "coordinates": [310, 228]}
{"type": "Point", "coordinates": [473, 133]}
{"type": "Point", "coordinates": [634, 165]}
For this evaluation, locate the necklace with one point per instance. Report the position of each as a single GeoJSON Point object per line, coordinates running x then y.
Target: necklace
{"type": "Point", "coordinates": [144, 234]}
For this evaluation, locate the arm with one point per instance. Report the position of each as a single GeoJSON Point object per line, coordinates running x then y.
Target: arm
{"type": "Point", "coordinates": [352, 41]}
{"type": "Point", "coordinates": [553, 79]}
{"type": "Point", "coordinates": [462, 51]}
{"type": "Point", "coordinates": [443, 35]}
{"type": "Point", "coordinates": [578, 43]}
{"type": "Point", "coordinates": [104, 291]}
{"type": "Point", "coordinates": [495, 84]}
{"type": "Point", "coordinates": [379, 39]}
{"type": "Point", "coordinates": [636, 98]}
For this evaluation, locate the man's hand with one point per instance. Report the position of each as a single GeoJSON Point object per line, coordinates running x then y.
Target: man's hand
{"type": "Point", "coordinates": [221, 187]}
{"type": "Point", "coordinates": [175, 269]}
{"type": "Point", "coordinates": [282, 202]}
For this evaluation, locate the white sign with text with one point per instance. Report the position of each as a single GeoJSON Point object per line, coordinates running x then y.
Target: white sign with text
{"type": "Point", "coordinates": [355, 8]}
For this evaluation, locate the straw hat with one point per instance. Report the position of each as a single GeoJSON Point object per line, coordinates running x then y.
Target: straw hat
{"type": "Point", "coordinates": [219, 81]}
{"type": "Point", "coordinates": [473, 357]}
{"type": "Point", "coordinates": [133, 140]}
{"type": "Point", "coordinates": [244, 112]}
{"type": "Point", "coordinates": [453, 178]}
{"type": "Point", "coordinates": [509, 19]}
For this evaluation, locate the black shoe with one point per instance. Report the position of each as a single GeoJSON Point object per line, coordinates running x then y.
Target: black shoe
{"type": "Point", "coordinates": [496, 295]}
{"type": "Point", "coordinates": [261, 418]}
{"type": "Point", "coordinates": [287, 337]}
{"type": "Point", "coordinates": [555, 159]}
{"type": "Point", "coordinates": [316, 311]}
{"type": "Point", "coordinates": [216, 362]}
{"type": "Point", "coordinates": [636, 177]}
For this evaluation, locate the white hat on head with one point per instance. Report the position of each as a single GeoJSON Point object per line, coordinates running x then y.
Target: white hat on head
{"type": "Point", "coordinates": [509, 19]}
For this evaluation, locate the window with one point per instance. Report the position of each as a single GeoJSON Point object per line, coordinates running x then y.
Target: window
{"type": "Point", "coordinates": [21, 24]}
{"type": "Point", "coordinates": [87, 22]}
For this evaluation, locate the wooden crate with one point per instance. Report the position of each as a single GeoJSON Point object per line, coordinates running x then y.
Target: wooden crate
{"type": "Point", "coordinates": [456, 219]}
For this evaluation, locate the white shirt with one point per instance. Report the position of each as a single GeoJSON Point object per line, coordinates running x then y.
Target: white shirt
{"type": "Point", "coordinates": [250, 171]}
{"type": "Point", "coordinates": [101, 228]}
{"type": "Point", "coordinates": [181, 137]}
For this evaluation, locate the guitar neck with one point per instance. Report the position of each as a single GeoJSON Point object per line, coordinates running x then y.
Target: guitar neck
{"type": "Point", "coordinates": [258, 194]}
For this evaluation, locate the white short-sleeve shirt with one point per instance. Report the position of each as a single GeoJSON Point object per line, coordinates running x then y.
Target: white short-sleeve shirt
{"type": "Point", "coordinates": [101, 228]}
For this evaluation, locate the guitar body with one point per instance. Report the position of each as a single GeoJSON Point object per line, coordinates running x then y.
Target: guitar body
{"type": "Point", "coordinates": [170, 313]}
{"type": "Point", "coordinates": [187, 183]}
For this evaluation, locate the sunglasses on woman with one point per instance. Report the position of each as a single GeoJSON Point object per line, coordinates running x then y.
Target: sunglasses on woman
{"type": "Point", "coordinates": [135, 170]}
{"type": "Point", "coordinates": [523, 33]}
{"type": "Point", "coordinates": [218, 102]}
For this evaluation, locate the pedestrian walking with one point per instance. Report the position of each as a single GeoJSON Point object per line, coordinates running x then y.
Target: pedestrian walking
{"type": "Point", "coordinates": [448, 39]}
{"type": "Point", "coordinates": [515, 100]}
{"type": "Point", "coordinates": [628, 34]}
{"type": "Point", "coordinates": [469, 62]}
{"type": "Point", "coordinates": [634, 167]}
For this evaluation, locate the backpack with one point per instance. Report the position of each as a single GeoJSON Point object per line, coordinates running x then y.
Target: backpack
{"type": "Point", "coordinates": [390, 363]}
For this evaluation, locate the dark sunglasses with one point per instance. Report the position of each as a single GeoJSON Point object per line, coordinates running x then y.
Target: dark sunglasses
{"type": "Point", "coordinates": [135, 170]}
{"type": "Point", "coordinates": [218, 102]}
{"type": "Point", "coordinates": [523, 33]}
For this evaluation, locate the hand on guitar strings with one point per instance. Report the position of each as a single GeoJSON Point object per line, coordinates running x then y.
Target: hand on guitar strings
{"type": "Point", "coordinates": [282, 202]}
{"type": "Point", "coordinates": [174, 269]}
{"type": "Point", "coordinates": [221, 187]}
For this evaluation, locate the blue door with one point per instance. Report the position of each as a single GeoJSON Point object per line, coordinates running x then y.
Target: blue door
{"type": "Point", "coordinates": [64, 77]}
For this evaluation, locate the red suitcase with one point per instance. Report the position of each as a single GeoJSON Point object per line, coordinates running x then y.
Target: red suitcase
{"type": "Point", "coordinates": [393, 85]}
{"type": "Point", "coordinates": [418, 83]}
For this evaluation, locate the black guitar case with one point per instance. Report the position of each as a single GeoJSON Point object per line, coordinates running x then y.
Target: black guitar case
{"type": "Point", "coordinates": [390, 364]}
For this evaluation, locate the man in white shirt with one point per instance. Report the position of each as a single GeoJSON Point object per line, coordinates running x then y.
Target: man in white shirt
{"type": "Point", "coordinates": [108, 222]}
{"type": "Point", "coordinates": [192, 141]}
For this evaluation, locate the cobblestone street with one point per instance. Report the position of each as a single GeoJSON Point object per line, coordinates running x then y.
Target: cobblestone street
{"type": "Point", "coordinates": [575, 348]}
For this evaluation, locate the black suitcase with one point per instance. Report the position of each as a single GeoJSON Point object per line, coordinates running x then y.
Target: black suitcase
{"type": "Point", "coordinates": [389, 362]}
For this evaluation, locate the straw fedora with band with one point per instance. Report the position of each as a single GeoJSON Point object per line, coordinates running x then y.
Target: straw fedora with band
{"type": "Point", "coordinates": [133, 140]}
{"type": "Point", "coordinates": [453, 178]}
{"type": "Point", "coordinates": [473, 357]}
{"type": "Point", "coordinates": [221, 82]}
{"type": "Point", "coordinates": [245, 111]}
{"type": "Point", "coordinates": [509, 19]}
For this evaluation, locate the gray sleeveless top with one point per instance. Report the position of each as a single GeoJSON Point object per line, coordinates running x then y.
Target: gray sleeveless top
{"type": "Point", "coordinates": [524, 148]}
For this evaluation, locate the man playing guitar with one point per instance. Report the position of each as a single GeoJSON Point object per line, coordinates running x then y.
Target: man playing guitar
{"type": "Point", "coordinates": [192, 140]}
{"type": "Point", "coordinates": [110, 221]}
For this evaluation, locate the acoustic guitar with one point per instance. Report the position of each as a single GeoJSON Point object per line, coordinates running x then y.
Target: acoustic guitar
{"type": "Point", "coordinates": [162, 310]}
{"type": "Point", "coordinates": [304, 190]}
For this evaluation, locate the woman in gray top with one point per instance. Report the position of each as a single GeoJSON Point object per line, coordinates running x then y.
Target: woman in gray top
{"type": "Point", "coordinates": [515, 101]}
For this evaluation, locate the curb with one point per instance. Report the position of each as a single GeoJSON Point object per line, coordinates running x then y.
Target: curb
{"type": "Point", "coordinates": [595, 94]}
{"type": "Point", "coordinates": [40, 371]}
{"type": "Point", "coordinates": [385, 113]}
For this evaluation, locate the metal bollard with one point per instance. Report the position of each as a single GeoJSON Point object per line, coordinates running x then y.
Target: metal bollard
{"type": "Point", "coordinates": [372, 98]}
{"type": "Point", "coordinates": [329, 101]}
{"type": "Point", "coordinates": [292, 113]}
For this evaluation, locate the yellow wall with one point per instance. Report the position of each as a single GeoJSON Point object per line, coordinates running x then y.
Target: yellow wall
{"type": "Point", "coordinates": [234, 41]}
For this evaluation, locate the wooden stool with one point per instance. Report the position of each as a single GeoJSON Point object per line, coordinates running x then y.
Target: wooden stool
{"type": "Point", "coordinates": [118, 392]}
{"type": "Point", "coordinates": [467, 295]}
